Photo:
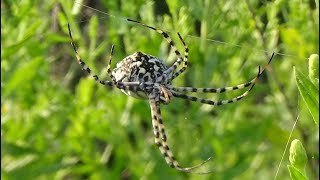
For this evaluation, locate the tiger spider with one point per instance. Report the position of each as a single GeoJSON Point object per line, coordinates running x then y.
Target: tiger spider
{"type": "Point", "coordinates": [146, 77]}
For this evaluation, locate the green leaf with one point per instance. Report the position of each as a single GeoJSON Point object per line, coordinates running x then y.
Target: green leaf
{"type": "Point", "coordinates": [314, 69]}
{"type": "Point", "coordinates": [29, 33]}
{"type": "Point", "coordinates": [309, 93]}
{"type": "Point", "coordinates": [295, 174]}
{"type": "Point", "coordinates": [24, 73]}
{"type": "Point", "coordinates": [85, 91]}
{"type": "Point", "coordinates": [93, 32]}
{"type": "Point", "coordinates": [298, 156]}
{"type": "Point", "coordinates": [57, 38]}
{"type": "Point", "coordinates": [93, 27]}
{"type": "Point", "coordinates": [77, 7]}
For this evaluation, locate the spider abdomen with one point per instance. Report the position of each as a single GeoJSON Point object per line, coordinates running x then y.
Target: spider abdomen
{"type": "Point", "coordinates": [139, 67]}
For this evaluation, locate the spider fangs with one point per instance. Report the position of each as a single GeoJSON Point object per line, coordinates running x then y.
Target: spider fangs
{"type": "Point", "coordinates": [145, 76]}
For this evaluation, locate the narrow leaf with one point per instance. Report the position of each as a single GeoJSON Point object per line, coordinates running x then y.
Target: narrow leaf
{"type": "Point", "coordinates": [309, 93]}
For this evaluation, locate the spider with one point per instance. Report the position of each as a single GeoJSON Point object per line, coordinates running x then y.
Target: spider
{"type": "Point", "coordinates": [146, 77]}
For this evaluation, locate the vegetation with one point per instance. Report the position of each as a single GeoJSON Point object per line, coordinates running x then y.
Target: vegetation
{"type": "Point", "coordinates": [57, 123]}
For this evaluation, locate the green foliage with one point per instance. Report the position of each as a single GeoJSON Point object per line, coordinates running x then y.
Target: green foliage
{"type": "Point", "coordinates": [298, 159]}
{"type": "Point", "coordinates": [308, 90]}
{"type": "Point", "coordinates": [295, 174]}
{"type": "Point", "coordinates": [59, 124]}
{"type": "Point", "coordinates": [314, 69]}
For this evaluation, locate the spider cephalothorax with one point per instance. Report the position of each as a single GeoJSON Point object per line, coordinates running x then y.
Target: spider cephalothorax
{"type": "Point", "coordinates": [145, 76]}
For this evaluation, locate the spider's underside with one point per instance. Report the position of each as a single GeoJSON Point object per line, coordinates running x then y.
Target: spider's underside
{"type": "Point", "coordinates": [145, 76]}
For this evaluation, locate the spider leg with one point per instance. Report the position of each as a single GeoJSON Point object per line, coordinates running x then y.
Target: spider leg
{"type": "Point", "coordinates": [120, 85]}
{"type": "Point", "coordinates": [161, 139]}
{"type": "Point", "coordinates": [212, 90]}
{"type": "Point", "coordinates": [217, 103]}
{"type": "Point", "coordinates": [173, 47]}
{"type": "Point", "coordinates": [185, 59]}
{"type": "Point", "coordinates": [109, 66]}
{"type": "Point", "coordinates": [265, 67]}
{"type": "Point", "coordinates": [223, 89]}
{"type": "Point", "coordinates": [83, 64]}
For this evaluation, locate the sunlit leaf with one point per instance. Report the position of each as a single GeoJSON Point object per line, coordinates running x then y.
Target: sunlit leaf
{"type": "Point", "coordinates": [298, 157]}
{"type": "Point", "coordinates": [309, 93]}
{"type": "Point", "coordinates": [314, 69]}
{"type": "Point", "coordinates": [26, 72]}
{"type": "Point", "coordinates": [295, 174]}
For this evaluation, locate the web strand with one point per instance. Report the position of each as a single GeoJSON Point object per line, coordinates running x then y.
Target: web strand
{"type": "Point", "coordinates": [285, 149]}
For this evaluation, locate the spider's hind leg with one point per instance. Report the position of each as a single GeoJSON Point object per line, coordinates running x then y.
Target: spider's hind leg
{"type": "Point", "coordinates": [161, 139]}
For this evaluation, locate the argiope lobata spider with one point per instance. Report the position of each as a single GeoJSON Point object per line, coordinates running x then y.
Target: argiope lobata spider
{"type": "Point", "coordinates": [144, 76]}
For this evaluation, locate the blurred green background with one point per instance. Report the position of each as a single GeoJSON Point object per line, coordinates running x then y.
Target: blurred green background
{"type": "Point", "coordinates": [57, 123]}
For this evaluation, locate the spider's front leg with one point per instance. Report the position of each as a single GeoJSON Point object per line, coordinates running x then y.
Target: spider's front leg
{"type": "Point", "coordinates": [161, 138]}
